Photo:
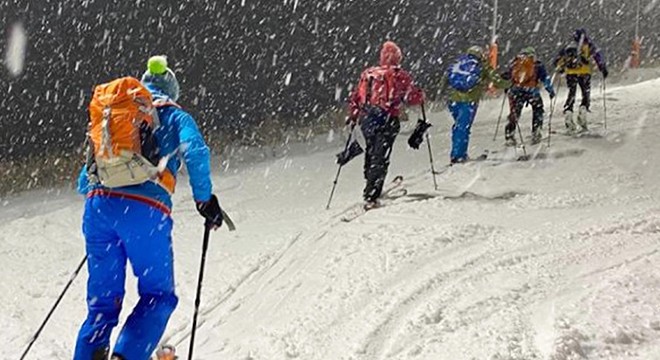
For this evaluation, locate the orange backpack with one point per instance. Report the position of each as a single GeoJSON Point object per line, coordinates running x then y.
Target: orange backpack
{"type": "Point", "coordinates": [122, 118]}
{"type": "Point", "coordinates": [523, 71]}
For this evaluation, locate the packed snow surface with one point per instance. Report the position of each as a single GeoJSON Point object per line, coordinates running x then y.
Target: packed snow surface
{"type": "Point", "coordinates": [553, 258]}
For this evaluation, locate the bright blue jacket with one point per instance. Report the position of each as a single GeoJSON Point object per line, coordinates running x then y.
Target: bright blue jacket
{"type": "Point", "coordinates": [179, 136]}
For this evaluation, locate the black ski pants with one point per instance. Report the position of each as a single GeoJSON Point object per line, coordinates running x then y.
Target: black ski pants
{"type": "Point", "coordinates": [572, 82]}
{"type": "Point", "coordinates": [380, 131]}
{"type": "Point", "coordinates": [518, 98]}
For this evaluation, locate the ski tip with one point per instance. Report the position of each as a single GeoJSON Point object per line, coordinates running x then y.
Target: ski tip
{"type": "Point", "coordinates": [228, 221]}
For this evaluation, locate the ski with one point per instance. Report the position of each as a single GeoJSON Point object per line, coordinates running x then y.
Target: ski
{"type": "Point", "coordinates": [584, 134]}
{"type": "Point", "coordinates": [459, 195]}
{"type": "Point", "coordinates": [486, 157]}
{"type": "Point", "coordinates": [393, 191]}
{"type": "Point", "coordinates": [588, 134]}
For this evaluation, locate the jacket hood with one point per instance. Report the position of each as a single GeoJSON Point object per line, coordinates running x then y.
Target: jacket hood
{"type": "Point", "coordinates": [390, 54]}
{"type": "Point", "coordinates": [580, 34]}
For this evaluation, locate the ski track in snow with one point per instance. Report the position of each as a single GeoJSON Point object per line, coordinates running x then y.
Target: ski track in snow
{"type": "Point", "coordinates": [553, 258]}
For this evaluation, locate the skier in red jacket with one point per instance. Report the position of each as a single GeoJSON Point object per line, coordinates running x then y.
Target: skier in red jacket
{"type": "Point", "coordinates": [376, 104]}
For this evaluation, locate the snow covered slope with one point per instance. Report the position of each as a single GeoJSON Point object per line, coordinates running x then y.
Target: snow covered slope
{"type": "Point", "coordinates": [554, 258]}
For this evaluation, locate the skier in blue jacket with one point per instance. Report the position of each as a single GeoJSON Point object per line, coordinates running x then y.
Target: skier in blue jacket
{"type": "Point", "coordinates": [133, 223]}
{"type": "Point", "coordinates": [467, 80]}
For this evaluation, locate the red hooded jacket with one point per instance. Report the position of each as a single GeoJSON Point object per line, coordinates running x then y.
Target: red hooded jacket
{"type": "Point", "coordinates": [387, 86]}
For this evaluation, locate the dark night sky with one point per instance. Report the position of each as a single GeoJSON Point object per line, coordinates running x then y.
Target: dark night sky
{"type": "Point", "coordinates": [244, 62]}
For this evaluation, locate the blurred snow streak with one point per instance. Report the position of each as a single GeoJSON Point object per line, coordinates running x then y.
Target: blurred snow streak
{"type": "Point", "coordinates": [15, 52]}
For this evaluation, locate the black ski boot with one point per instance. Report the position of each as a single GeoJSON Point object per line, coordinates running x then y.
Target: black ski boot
{"type": "Point", "coordinates": [101, 353]}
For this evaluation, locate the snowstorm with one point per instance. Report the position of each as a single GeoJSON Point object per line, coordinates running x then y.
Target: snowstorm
{"type": "Point", "coordinates": [361, 179]}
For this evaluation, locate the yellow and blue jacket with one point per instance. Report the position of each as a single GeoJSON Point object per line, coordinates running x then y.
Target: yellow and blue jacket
{"type": "Point", "coordinates": [574, 62]}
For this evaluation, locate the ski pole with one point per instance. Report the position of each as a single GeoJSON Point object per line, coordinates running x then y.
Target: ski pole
{"type": "Point", "coordinates": [428, 144]}
{"type": "Point", "coordinates": [499, 118]}
{"type": "Point", "coordinates": [334, 184]}
{"type": "Point", "coordinates": [205, 247]}
{"type": "Point", "coordinates": [522, 141]}
{"type": "Point", "coordinates": [604, 104]}
{"type": "Point", "coordinates": [552, 111]}
{"type": "Point", "coordinates": [553, 106]}
{"type": "Point", "coordinates": [52, 310]}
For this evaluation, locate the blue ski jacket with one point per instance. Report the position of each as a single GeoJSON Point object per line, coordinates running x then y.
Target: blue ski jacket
{"type": "Point", "coordinates": [179, 138]}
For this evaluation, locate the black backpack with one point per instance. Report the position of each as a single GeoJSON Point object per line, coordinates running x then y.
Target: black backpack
{"type": "Point", "coordinates": [574, 59]}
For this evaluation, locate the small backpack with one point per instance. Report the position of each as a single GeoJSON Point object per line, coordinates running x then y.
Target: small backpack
{"type": "Point", "coordinates": [378, 91]}
{"type": "Point", "coordinates": [574, 59]}
{"type": "Point", "coordinates": [523, 71]}
{"type": "Point", "coordinates": [123, 150]}
{"type": "Point", "coordinates": [465, 74]}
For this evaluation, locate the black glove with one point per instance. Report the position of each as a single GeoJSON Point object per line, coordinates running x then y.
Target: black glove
{"type": "Point", "coordinates": [417, 136]}
{"type": "Point", "coordinates": [210, 210]}
{"type": "Point", "coordinates": [605, 73]}
{"type": "Point", "coordinates": [353, 150]}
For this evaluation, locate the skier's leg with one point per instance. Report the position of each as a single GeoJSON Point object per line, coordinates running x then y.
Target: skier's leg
{"type": "Point", "coordinates": [571, 84]}
{"type": "Point", "coordinates": [376, 172]}
{"type": "Point", "coordinates": [391, 130]}
{"type": "Point", "coordinates": [536, 101]}
{"type": "Point", "coordinates": [147, 235]}
{"type": "Point", "coordinates": [372, 130]}
{"type": "Point", "coordinates": [463, 113]}
{"type": "Point", "coordinates": [585, 86]}
{"type": "Point", "coordinates": [457, 137]}
{"type": "Point", "coordinates": [516, 104]}
{"type": "Point", "coordinates": [106, 264]}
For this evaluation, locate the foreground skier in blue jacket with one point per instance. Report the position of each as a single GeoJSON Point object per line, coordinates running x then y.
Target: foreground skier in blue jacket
{"type": "Point", "coordinates": [133, 223]}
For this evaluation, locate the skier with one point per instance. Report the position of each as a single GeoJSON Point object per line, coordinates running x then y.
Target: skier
{"type": "Point", "coordinates": [526, 73]}
{"type": "Point", "coordinates": [376, 104]}
{"type": "Point", "coordinates": [127, 215]}
{"type": "Point", "coordinates": [575, 61]}
{"type": "Point", "coordinates": [468, 79]}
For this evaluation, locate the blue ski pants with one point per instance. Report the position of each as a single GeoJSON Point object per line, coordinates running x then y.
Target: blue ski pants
{"type": "Point", "coordinates": [118, 230]}
{"type": "Point", "coordinates": [463, 113]}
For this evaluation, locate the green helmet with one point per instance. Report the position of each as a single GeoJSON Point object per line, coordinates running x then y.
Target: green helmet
{"type": "Point", "coordinates": [530, 51]}
{"type": "Point", "coordinates": [476, 51]}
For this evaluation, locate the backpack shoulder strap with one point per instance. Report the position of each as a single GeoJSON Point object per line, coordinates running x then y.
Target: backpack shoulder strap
{"type": "Point", "coordinates": [159, 103]}
{"type": "Point", "coordinates": [370, 84]}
